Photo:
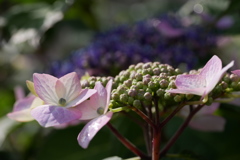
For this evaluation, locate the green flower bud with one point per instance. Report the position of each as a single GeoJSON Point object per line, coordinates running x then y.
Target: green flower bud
{"type": "Point", "coordinates": [168, 95]}
{"type": "Point", "coordinates": [147, 96]}
{"type": "Point", "coordinates": [234, 85]}
{"type": "Point", "coordinates": [172, 84]}
{"type": "Point", "coordinates": [84, 83]}
{"type": "Point", "coordinates": [138, 76]}
{"type": "Point", "coordinates": [156, 71]}
{"type": "Point", "coordinates": [177, 71]}
{"type": "Point", "coordinates": [149, 90]}
{"type": "Point", "coordinates": [151, 85]}
{"type": "Point", "coordinates": [131, 67]}
{"type": "Point", "coordinates": [124, 98]}
{"type": "Point", "coordinates": [146, 80]}
{"type": "Point", "coordinates": [128, 83]}
{"type": "Point", "coordinates": [140, 94]}
{"type": "Point", "coordinates": [140, 85]}
{"type": "Point", "coordinates": [139, 66]}
{"type": "Point", "coordinates": [224, 85]}
{"type": "Point", "coordinates": [189, 96]}
{"type": "Point", "coordinates": [178, 98]}
{"type": "Point", "coordinates": [163, 83]}
{"type": "Point", "coordinates": [145, 72]}
{"type": "Point", "coordinates": [234, 78]}
{"type": "Point", "coordinates": [147, 65]}
{"type": "Point", "coordinates": [132, 92]}
{"type": "Point", "coordinates": [160, 92]}
{"type": "Point", "coordinates": [121, 89]}
{"type": "Point", "coordinates": [130, 100]}
{"type": "Point", "coordinates": [115, 96]}
{"type": "Point", "coordinates": [92, 83]}
{"type": "Point", "coordinates": [137, 103]}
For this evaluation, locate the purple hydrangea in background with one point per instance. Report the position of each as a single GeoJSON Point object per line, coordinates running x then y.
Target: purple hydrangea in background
{"type": "Point", "coordinates": [166, 39]}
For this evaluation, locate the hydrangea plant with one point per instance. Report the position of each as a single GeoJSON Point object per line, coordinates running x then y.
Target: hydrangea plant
{"type": "Point", "coordinates": [153, 91]}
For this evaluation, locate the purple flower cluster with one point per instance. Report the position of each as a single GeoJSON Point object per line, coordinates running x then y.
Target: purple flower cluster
{"type": "Point", "coordinates": [166, 39]}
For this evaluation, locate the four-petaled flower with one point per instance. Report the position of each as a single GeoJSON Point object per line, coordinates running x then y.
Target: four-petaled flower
{"type": "Point", "coordinates": [96, 109]}
{"type": "Point", "coordinates": [202, 83]}
{"type": "Point", "coordinates": [60, 97]}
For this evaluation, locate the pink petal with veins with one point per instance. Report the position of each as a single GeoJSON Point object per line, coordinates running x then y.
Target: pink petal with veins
{"type": "Point", "coordinates": [217, 77]}
{"type": "Point", "coordinates": [91, 129]}
{"type": "Point", "coordinates": [44, 85]}
{"type": "Point", "coordinates": [72, 85]}
{"type": "Point", "coordinates": [48, 115]}
{"type": "Point", "coordinates": [84, 95]}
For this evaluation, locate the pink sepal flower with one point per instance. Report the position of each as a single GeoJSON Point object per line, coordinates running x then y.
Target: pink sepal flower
{"type": "Point", "coordinates": [91, 129]}
{"type": "Point", "coordinates": [205, 120]}
{"type": "Point", "coordinates": [204, 82]}
{"type": "Point", "coordinates": [60, 97]}
{"type": "Point", "coordinates": [95, 108]}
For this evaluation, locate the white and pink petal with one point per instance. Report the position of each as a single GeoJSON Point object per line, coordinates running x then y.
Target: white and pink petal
{"type": "Point", "coordinates": [91, 129]}
{"type": "Point", "coordinates": [44, 85]}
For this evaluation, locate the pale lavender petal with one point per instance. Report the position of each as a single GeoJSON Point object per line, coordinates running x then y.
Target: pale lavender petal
{"type": "Point", "coordinates": [213, 67]}
{"type": "Point", "coordinates": [190, 81]}
{"type": "Point", "coordinates": [60, 89]}
{"type": "Point", "coordinates": [21, 116]}
{"type": "Point", "coordinates": [48, 115]}
{"type": "Point", "coordinates": [88, 109]}
{"type": "Point", "coordinates": [237, 72]}
{"type": "Point", "coordinates": [84, 95]}
{"type": "Point", "coordinates": [44, 85]}
{"type": "Point", "coordinates": [91, 129]}
{"type": "Point", "coordinates": [217, 77]}
{"type": "Point", "coordinates": [24, 103]}
{"type": "Point", "coordinates": [208, 123]}
{"type": "Point", "coordinates": [72, 85]}
{"type": "Point", "coordinates": [109, 89]}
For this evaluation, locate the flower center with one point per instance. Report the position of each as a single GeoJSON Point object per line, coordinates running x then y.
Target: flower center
{"type": "Point", "coordinates": [62, 101]}
{"type": "Point", "coordinates": [100, 110]}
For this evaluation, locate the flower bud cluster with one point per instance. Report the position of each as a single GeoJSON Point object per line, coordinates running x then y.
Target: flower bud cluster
{"type": "Point", "coordinates": [145, 84]}
{"type": "Point", "coordinates": [90, 82]}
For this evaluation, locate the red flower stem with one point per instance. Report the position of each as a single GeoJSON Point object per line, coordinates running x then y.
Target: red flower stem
{"type": "Point", "coordinates": [166, 120]}
{"type": "Point", "coordinates": [180, 130]}
{"type": "Point", "coordinates": [127, 143]}
{"type": "Point", "coordinates": [144, 117]}
{"type": "Point", "coordinates": [156, 144]}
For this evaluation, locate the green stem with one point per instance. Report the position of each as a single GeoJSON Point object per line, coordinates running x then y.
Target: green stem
{"type": "Point", "coordinates": [127, 143]}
